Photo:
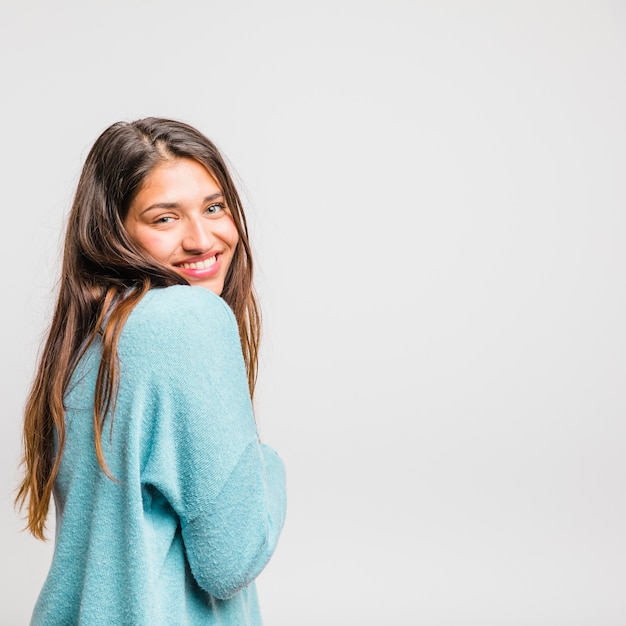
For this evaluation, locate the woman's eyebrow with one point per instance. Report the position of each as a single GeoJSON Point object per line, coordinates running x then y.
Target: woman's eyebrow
{"type": "Point", "coordinates": [215, 196]}
{"type": "Point", "coordinates": [176, 205]}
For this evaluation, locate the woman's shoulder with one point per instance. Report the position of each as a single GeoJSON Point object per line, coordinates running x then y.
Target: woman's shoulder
{"type": "Point", "coordinates": [181, 299]}
{"type": "Point", "coordinates": [179, 309]}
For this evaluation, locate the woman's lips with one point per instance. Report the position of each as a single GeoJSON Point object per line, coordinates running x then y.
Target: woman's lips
{"type": "Point", "coordinates": [204, 268]}
{"type": "Point", "coordinates": [200, 265]}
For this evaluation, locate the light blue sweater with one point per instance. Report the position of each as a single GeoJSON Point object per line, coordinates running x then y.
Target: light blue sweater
{"type": "Point", "coordinates": [198, 504]}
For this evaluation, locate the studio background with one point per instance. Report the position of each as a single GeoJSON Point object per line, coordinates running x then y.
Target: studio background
{"type": "Point", "coordinates": [436, 197]}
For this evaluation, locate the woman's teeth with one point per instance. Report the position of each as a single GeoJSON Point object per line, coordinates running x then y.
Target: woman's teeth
{"type": "Point", "coordinates": [201, 265]}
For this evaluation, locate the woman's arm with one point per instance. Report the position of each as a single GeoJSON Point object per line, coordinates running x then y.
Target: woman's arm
{"type": "Point", "coordinates": [203, 452]}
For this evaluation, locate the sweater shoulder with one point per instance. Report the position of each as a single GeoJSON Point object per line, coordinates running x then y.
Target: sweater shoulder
{"type": "Point", "coordinates": [179, 304]}
{"type": "Point", "coordinates": [177, 323]}
{"type": "Point", "coordinates": [180, 300]}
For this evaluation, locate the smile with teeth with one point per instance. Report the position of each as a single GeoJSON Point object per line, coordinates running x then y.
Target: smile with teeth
{"type": "Point", "coordinates": [200, 265]}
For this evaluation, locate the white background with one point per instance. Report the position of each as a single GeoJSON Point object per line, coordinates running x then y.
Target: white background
{"type": "Point", "coordinates": [437, 197]}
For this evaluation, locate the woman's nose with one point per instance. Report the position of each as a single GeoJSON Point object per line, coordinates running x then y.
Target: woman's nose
{"type": "Point", "coordinates": [197, 237]}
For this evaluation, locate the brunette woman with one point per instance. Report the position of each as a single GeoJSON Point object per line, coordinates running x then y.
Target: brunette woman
{"type": "Point", "coordinates": [139, 423]}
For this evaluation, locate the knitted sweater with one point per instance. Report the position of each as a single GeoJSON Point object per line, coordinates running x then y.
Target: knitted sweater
{"type": "Point", "coordinates": [197, 504]}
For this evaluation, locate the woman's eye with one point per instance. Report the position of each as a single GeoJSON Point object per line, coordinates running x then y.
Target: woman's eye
{"type": "Point", "coordinates": [212, 209]}
{"type": "Point", "coordinates": [165, 219]}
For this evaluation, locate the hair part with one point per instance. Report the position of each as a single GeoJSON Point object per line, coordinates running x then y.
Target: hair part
{"type": "Point", "coordinates": [104, 274]}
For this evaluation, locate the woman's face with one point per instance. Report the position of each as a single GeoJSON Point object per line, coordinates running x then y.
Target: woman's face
{"type": "Point", "coordinates": [180, 217]}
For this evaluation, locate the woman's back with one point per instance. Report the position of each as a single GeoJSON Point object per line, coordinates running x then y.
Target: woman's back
{"type": "Point", "coordinates": [197, 504]}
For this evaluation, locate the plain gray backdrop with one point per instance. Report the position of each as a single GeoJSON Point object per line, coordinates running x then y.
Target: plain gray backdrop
{"type": "Point", "coordinates": [436, 193]}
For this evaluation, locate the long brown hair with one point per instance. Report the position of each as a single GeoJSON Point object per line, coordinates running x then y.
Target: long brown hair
{"type": "Point", "coordinates": [104, 274]}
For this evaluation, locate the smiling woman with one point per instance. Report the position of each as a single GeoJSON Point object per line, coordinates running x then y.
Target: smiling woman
{"type": "Point", "coordinates": [171, 516]}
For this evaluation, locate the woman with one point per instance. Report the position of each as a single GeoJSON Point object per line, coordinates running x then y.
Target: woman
{"type": "Point", "coordinates": [139, 421]}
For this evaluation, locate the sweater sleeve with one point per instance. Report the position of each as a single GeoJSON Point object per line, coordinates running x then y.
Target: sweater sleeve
{"type": "Point", "coordinates": [204, 455]}
{"type": "Point", "coordinates": [230, 542]}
